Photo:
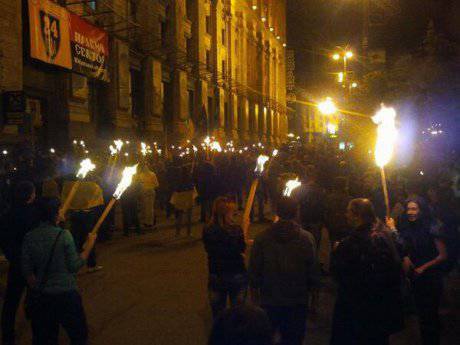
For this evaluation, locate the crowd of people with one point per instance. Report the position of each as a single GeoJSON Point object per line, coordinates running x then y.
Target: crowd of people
{"type": "Point", "coordinates": [335, 223]}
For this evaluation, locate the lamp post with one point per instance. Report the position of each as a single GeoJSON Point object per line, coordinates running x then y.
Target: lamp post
{"type": "Point", "coordinates": [344, 55]}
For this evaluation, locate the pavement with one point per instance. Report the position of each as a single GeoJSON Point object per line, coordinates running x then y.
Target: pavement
{"type": "Point", "coordinates": [152, 290]}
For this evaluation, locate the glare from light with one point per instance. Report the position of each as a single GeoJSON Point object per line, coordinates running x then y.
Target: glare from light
{"type": "Point", "coordinates": [386, 135]}
{"type": "Point", "coordinates": [349, 54]}
{"type": "Point", "coordinates": [340, 77]}
{"type": "Point", "coordinates": [327, 107]}
{"type": "Point", "coordinates": [336, 56]}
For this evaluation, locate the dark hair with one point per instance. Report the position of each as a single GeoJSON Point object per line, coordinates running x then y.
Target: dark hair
{"type": "Point", "coordinates": [286, 208]}
{"type": "Point", "coordinates": [242, 325]}
{"type": "Point", "coordinates": [23, 192]}
{"type": "Point", "coordinates": [425, 216]}
{"type": "Point", "coordinates": [363, 209]}
{"type": "Point", "coordinates": [221, 208]}
{"type": "Point", "coordinates": [49, 209]}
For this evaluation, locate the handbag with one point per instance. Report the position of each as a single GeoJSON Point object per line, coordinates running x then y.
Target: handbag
{"type": "Point", "coordinates": [34, 297]}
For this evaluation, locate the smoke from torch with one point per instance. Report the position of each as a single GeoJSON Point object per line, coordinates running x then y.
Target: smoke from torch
{"type": "Point", "coordinates": [125, 182]}
{"type": "Point", "coordinates": [290, 186]}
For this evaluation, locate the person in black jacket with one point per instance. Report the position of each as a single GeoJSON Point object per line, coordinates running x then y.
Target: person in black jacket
{"type": "Point", "coordinates": [282, 272]}
{"type": "Point", "coordinates": [224, 243]}
{"type": "Point", "coordinates": [424, 252]}
{"type": "Point", "coordinates": [21, 218]}
{"type": "Point", "coordinates": [367, 268]}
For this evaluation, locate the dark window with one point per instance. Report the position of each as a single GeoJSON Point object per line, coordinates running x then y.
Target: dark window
{"type": "Point", "coordinates": [224, 68]}
{"type": "Point", "coordinates": [224, 36]}
{"type": "Point", "coordinates": [208, 60]}
{"type": "Point", "coordinates": [209, 112]}
{"type": "Point", "coordinates": [188, 9]}
{"type": "Point", "coordinates": [191, 103]}
{"type": "Point", "coordinates": [189, 47]}
{"type": "Point", "coordinates": [208, 24]}
{"type": "Point", "coordinates": [164, 32]}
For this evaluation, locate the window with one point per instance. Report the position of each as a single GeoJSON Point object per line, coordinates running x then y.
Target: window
{"type": "Point", "coordinates": [163, 33]}
{"type": "Point", "coordinates": [92, 5]}
{"type": "Point", "coordinates": [208, 60]}
{"type": "Point", "coordinates": [188, 9]}
{"type": "Point", "coordinates": [191, 103]}
{"type": "Point", "coordinates": [224, 36]}
{"type": "Point", "coordinates": [224, 68]}
{"type": "Point", "coordinates": [208, 24]}
{"type": "Point", "coordinates": [189, 47]}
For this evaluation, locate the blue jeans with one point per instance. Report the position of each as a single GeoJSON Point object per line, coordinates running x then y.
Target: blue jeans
{"type": "Point", "coordinates": [227, 286]}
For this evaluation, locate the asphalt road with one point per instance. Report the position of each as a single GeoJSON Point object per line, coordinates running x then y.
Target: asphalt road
{"type": "Point", "coordinates": [152, 290]}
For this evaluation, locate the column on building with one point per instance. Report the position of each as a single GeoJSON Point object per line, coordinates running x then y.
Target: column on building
{"type": "Point", "coordinates": [180, 30]}
{"type": "Point", "coordinates": [243, 65]}
{"type": "Point", "coordinates": [150, 15]}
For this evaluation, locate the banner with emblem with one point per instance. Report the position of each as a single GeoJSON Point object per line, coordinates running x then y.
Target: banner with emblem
{"type": "Point", "coordinates": [49, 33]}
{"type": "Point", "coordinates": [61, 38]}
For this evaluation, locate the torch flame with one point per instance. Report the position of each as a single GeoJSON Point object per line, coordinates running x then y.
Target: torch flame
{"type": "Point", "coordinates": [290, 186]}
{"type": "Point", "coordinates": [275, 153]}
{"type": "Point", "coordinates": [261, 160]}
{"type": "Point", "coordinates": [215, 146]}
{"type": "Point", "coordinates": [125, 182]}
{"type": "Point", "coordinates": [118, 144]}
{"type": "Point", "coordinates": [386, 135]}
{"type": "Point", "coordinates": [144, 149]}
{"type": "Point", "coordinates": [113, 150]}
{"type": "Point", "coordinates": [85, 167]}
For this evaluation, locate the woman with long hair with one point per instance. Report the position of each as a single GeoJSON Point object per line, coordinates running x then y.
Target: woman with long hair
{"type": "Point", "coordinates": [368, 272]}
{"type": "Point", "coordinates": [225, 245]}
{"type": "Point", "coordinates": [423, 251]}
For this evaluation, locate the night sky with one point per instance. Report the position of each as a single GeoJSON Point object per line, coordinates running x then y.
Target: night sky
{"type": "Point", "coordinates": [315, 27]}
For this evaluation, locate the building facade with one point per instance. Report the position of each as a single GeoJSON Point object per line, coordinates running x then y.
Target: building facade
{"type": "Point", "coordinates": [178, 69]}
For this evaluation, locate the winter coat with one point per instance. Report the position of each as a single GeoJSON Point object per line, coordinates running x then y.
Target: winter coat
{"type": "Point", "coordinates": [367, 268]}
{"type": "Point", "coordinates": [283, 264]}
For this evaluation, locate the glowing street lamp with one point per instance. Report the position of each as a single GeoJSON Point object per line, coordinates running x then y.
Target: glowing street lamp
{"type": "Point", "coordinates": [327, 107]}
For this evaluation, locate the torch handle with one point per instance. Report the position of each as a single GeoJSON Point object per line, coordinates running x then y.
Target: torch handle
{"type": "Point", "coordinates": [103, 216]}
{"type": "Point", "coordinates": [70, 196]}
{"type": "Point", "coordinates": [385, 191]}
{"type": "Point", "coordinates": [248, 207]}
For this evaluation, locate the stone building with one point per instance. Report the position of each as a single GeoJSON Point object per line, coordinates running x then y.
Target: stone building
{"type": "Point", "coordinates": [178, 69]}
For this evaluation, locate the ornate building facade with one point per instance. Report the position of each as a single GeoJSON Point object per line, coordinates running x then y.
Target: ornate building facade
{"type": "Point", "coordinates": [178, 69]}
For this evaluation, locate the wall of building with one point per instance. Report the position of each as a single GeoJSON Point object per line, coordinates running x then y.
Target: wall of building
{"type": "Point", "coordinates": [178, 69]}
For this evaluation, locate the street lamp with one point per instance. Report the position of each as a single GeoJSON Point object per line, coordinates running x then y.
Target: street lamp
{"type": "Point", "coordinates": [327, 107]}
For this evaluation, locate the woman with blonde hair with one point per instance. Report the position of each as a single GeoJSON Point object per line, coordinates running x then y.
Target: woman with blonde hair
{"type": "Point", "coordinates": [224, 243]}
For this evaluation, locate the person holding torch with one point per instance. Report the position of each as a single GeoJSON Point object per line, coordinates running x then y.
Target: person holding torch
{"type": "Point", "coordinates": [283, 270]}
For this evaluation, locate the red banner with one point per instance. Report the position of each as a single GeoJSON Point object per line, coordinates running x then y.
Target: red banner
{"type": "Point", "coordinates": [90, 48]}
{"type": "Point", "coordinates": [61, 38]}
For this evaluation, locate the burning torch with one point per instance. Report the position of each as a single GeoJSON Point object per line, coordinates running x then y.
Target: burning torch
{"type": "Point", "coordinates": [85, 167]}
{"type": "Point", "coordinates": [126, 180]}
{"type": "Point", "coordinates": [386, 138]}
{"type": "Point", "coordinates": [261, 160]}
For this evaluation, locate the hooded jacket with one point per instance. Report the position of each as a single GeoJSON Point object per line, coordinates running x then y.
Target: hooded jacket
{"type": "Point", "coordinates": [283, 264]}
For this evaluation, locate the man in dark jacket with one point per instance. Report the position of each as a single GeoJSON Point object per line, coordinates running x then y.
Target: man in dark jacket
{"type": "Point", "coordinates": [22, 218]}
{"type": "Point", "coordinates": [282, 271]}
